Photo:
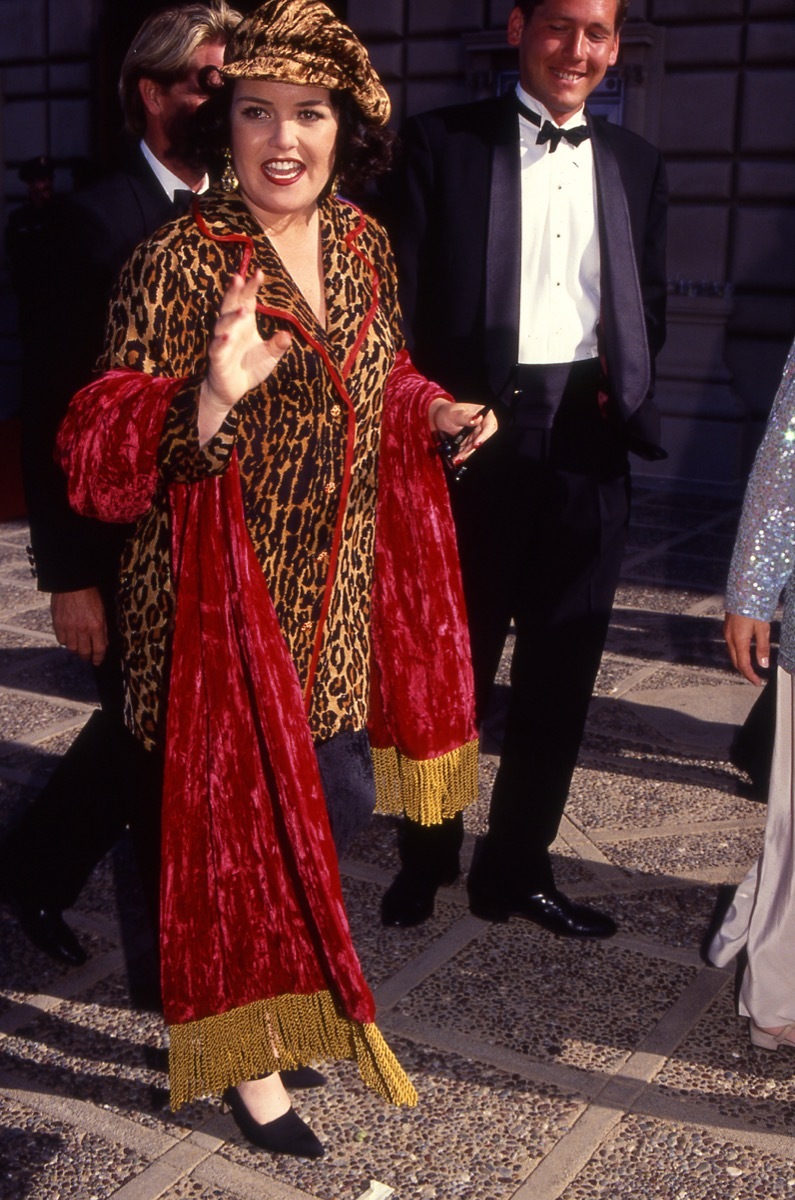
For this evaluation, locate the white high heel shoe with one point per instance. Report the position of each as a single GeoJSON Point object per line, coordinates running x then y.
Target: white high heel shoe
{"type": "Point", "coordinates": [771, 1041]}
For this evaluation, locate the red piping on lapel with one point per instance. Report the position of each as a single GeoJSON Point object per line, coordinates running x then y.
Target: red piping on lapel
{"type": "Point", "coordinates": [376, 282]}
{"type": "Point", "coordinates": [347, 471]}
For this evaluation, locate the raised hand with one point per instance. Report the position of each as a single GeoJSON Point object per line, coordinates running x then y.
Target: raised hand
{"type": "Point", "coordinates": [238, 358]}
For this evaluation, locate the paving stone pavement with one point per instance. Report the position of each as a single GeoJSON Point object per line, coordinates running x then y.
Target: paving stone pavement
{"type": "Point", "coordinates": [546, 1069]}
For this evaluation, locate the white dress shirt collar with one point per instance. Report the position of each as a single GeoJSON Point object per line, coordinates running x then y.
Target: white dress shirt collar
{"type": "Point", "coordinates": [529, 101]}
{"type": "Point", "coordinates": [170, 182]}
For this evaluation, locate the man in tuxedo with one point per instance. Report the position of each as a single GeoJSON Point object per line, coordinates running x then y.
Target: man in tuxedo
{"type": "Point", "coordinates": [97, 791]}
{"type": "Point", "coordinates": [530, 239]}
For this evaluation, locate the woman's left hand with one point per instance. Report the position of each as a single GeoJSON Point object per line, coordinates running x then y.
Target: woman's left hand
{"type": "Point", "coordinates": [452, 419]}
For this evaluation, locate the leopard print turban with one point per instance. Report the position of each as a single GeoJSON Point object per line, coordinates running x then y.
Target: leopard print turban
{"type": "Point", "coordinates": [301, 41]}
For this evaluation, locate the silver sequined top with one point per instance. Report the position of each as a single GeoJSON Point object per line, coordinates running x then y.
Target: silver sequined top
{"type": "Point", "coordinates": [764, 552]}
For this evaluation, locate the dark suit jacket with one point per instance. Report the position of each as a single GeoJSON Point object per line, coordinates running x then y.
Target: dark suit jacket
{"type": "Point", "coordinates": [96, 231]}
{"type": "Point", "coordinates": [453, 208]}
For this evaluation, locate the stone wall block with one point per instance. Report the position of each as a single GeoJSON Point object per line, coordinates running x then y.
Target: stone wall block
{"type": "Point", "coordinates": [698, 45]}
{"type": "Point", "coordinates": [25, 130]}
{"type": "Point", "coordinates": [17, 80]}
{"type": "Point", "coordinates": [71, 26]}
{"type": "Point", "coordinates": [756, 366]}
{"type": "Point", "coordinates": [436, 58]}
{"type": "Point", "coordinates": [770, 8]}
{"type": "Point", "coordinates": [698, 242]}
{"type": "Point", "coordinates": [424, 95]}
{"type": "Point", "coordinates": [698, 112]}
{"type": "Point", "coordinates": [772, 42]}
{"type": "Point", "coordinates": [500, 11]}
{"type": "Point", "coordinates": [384, 18]}
{"type": "Point", "coordinates": [762, 255]}
{"type": "Point", "coordinates": [771, 321]}
{"type": "Point", "coordinates": [71, 128]}
{"type": "Point", "coordinates": [23, 31]}
{"type": "Point", "coordinates": [445, 16]}
{"type": "Point", "coordinates": [698, 178]}
{"type": "Point", "coordinates": [768, 105]}
{"type": "Point", "coordinates": [387, 58]}
{"type": "Point", "coordinates": [687, 10]}
{"type": "Point", "coordinates": [75, 76]}
{"type": "Point", "coordinates": [767, 181]}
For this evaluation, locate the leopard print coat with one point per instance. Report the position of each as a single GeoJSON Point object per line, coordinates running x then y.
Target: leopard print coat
{"type": "Point", "coordinates": [302, 442]}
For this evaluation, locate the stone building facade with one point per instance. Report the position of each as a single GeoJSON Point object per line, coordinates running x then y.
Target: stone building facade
{"type": "Point", "coordinates": [712, 82]}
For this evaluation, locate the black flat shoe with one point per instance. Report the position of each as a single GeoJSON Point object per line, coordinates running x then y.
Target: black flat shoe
{"type": "Point", "coordinates": [47, 930]}
{"type": "Point", "coordinates": [302, 1077]}
{"type": "Point", "coordinates": [551, 910]}
{"type": "Point", "coordinates": [287, 1134]}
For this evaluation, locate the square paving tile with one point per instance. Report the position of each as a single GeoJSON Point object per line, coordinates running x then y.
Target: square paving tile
{"type": "Point", "coordinates": [102, 1053]}
{"type": "Point", "coordinates": [613, 673]}
{"type": "Point", "coordinates": [584, 1004]}
{"type": "Point", "coordinates": [46, 1160]}
{"type": "Point", "coordinates": [474, 1135]}
{"type": "Point", "coordinates": [731, 850]}
{"type": "Point", "coordinates": [648, 796]}
{"type": "Point", "coordinates": [382, 952]}
{"type": "Point", "coordinates": [193, 1189]}
{"type": "Point", "coordinates": [666, 1161]}
{"type": "Point", "coordinates": [662, 599]}
{"type": "Point", "coordinates": [59, 674]}
{"type": "Point", "coordinates": [717, 1067]}
{"type": "Point", "coordinates": [676, 917]}
{"type": "Point", "coordinates": [35, 620]}
{"type": "Point", "coordinates": [24, 969]}
{"type": "Point", "coordinates": [20, 716]}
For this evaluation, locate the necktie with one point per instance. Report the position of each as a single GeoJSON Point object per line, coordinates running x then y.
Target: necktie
{"type": "Point", "coordinates": [553, 133]}
{"type": "Point", "coordinates": [183, 198]}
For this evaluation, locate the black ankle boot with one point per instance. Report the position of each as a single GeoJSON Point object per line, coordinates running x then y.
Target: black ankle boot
{"type": "Point", "coordinates": [287, 1134]}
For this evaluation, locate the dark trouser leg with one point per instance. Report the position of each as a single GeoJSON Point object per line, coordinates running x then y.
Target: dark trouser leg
{"type": "Point", "coordinates": [430, 853]}
{"type": "Point", "coordinates": [76, 818]}
{"type": "Point", "coordinates": [82, 810]}
{"type": "Point", "coordinates": [562, 610]}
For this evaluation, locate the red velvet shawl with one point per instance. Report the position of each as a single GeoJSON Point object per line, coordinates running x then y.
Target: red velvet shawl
{"type": "Point", "coordinates": [251, 899]}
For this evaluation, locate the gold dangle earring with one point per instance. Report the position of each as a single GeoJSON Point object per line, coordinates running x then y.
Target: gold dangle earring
{"type": "Point", "coordinates": [229, 180]}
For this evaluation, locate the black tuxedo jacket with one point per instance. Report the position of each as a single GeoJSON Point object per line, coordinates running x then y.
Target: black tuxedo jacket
{"type": "Point", "coordinates": [97, 230]}
{"type": "Point", "coordinates": [453, 208]}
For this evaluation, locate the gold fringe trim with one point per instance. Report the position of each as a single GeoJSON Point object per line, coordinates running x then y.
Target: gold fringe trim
{"type": "Point", "coordinates": [208, 1056]}
{"type": "Point", "coordinates": [429, 790]}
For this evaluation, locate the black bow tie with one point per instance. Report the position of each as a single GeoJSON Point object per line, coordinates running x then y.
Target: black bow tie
{"type": "Point", "coordinates": [553, 133]}
{"type": "Point", "coordinates": [183, 198]}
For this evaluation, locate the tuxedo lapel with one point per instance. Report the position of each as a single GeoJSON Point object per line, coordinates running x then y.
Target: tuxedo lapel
{"type": "Point", "coordinates": [503, 251]}
{"type": "Point", "coordinates": [623, 324]}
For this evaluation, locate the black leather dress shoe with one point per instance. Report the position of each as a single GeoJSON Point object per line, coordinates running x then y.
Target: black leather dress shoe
{"type": "Point", "coordinates": [47, 930]}
{"type": "Point", "coordinates": [552, 910]}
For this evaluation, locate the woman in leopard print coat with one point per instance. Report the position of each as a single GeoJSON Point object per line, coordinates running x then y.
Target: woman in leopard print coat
{"type": "Point", "coordinates": [253, 356]}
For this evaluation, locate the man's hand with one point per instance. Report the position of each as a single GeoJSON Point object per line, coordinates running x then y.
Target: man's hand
{"type": "Point", "coordinates": [78, 619]}
{"type": "Point", "coordinates": [740, 634]}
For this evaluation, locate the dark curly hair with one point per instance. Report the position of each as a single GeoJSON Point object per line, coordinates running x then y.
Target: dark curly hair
{"type": "Point", "coordinates": [364, 150]}
{"type": "Point", "coordinates": [527, 7]}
